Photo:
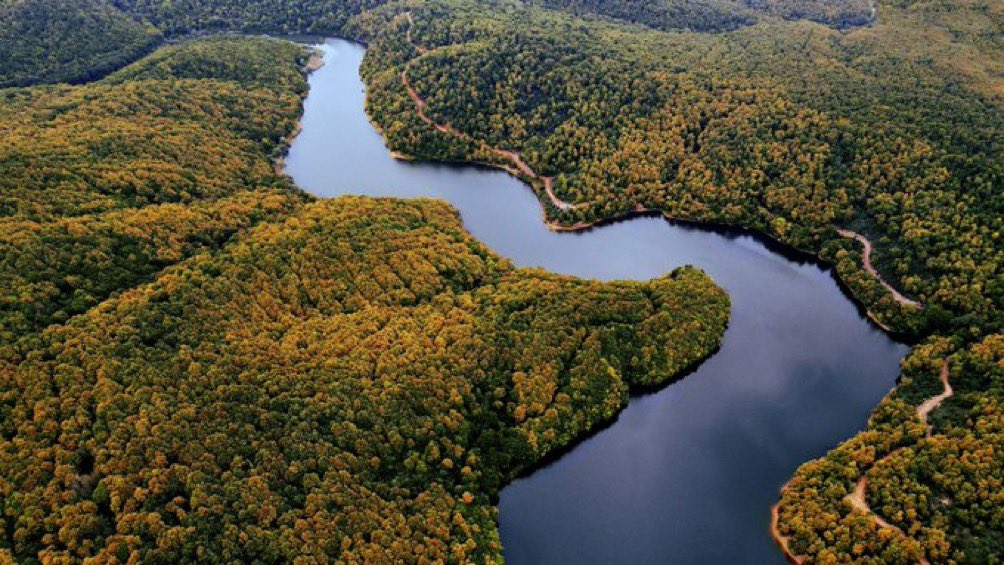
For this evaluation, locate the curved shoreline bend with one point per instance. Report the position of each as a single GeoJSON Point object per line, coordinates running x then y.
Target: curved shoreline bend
{"type": "Point", "coordinates": [521, 169]}
{"type": "Point", "coordinates": [857, 498]}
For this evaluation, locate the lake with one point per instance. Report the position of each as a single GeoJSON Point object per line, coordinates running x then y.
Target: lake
{"type": "Point", "coordinates": [686, 474]}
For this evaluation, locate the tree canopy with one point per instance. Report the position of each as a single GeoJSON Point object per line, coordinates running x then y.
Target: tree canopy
{"type": "Point", "coordinates": [105, 184]}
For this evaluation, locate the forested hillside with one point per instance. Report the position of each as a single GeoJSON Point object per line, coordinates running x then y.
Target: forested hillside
{"type": "Point", "coordinates": [718, 15]}
{"type": "Point", "coordinates": [355, 383]}
{"type": "Point", "coordinates": [330, 15]}
{"type": "Point", "coordinates": [46, 41]}
{"type": "Point", "coordinates": [729, 132]}
{"type": "Point", "coordinates": [257, 16]}
{"type": "Point", "coordinates": [940, 490]}
{"type": "Point", "coordinates": [67, 40]}
{"type": "Point", "coordinates": [103, 185]}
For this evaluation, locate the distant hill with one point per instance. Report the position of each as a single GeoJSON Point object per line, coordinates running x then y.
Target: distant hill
{"type": "Point", "coordinates": [67, 40]}
{"type": "Point", "coordinates": [719, 15]}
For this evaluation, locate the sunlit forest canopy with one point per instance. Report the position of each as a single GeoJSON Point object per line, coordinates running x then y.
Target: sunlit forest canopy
{"type": "Point", "coordinates": [786, 126]}
{"type": "Point", "coordinates": [798, 130]}
{"type": "Point", "coordinates": [198, 364]}
{"type": "Point", "coordinates": [719, 15]}
{"type": "Point", "coordinates": [321, 15]}
{"type": "Point", "coordinates": [355, 382]}
{"type": "Point", "coordinates": [80, 40]}
{"type": "Point", "coordinates": [105, 184]}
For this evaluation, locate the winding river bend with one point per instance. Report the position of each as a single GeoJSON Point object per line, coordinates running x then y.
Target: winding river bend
{"type": "Point", "coordinates": [686, 474]}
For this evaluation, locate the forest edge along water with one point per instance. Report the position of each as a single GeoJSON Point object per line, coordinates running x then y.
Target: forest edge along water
{"type": "Point", "coordinates": [687, 473]}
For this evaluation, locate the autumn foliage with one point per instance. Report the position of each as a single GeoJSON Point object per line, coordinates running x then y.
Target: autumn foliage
{"type": "Point", "coordinates": [355, 382]}
{"type": "Point", "coordinates": [106, 184]}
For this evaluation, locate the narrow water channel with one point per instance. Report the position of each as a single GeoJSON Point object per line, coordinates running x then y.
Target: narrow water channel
{"type": "Point", "coordinates": [687, 474]}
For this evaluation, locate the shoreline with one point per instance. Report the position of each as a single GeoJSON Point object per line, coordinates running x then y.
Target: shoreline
{"type": "Point", "coordinates": [870, 269]}
{"type": "Point", "coordinates": [314, 62]}
{"type": "Point", "coordinates": [519, 168]}
{"type": "Point", "coordinates": [780, 539]}
{"type": "Point", "coordinates": [858, 497]}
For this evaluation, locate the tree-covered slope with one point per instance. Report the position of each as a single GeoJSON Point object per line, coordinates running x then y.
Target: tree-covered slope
{"type": "Point", "coordinates": [67, 40]}
{"type": "Point", "coordinates": [331, 15]}
{"type": "Point", "coordinates": [259, 16]}
{"type": "Point", "coordinates": [355, 383]}
{"type": "Point", "coordinates": [936, 484]}
{"type": "Point", "coordinates": [197, 365]}
{"type": "Point", "coordinates": [251, 63]}
{"type": "Point", "coordinates": [105, 184]}
{"type": "Point", "coordinates": [719, 15]}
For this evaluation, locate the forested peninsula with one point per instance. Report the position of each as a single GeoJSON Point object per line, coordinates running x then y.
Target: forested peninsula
{"type": "Point", "coordinates": [141, 276]}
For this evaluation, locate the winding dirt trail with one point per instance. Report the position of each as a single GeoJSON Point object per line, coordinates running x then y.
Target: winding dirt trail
{"type": "Point", "coordinates": [420, 106]}
{"type": "Point", "coordinates": [857, 497]}
{"type": "Point", "coordinates": [931, 403]}
{"type": "Point", "coordinates": [518, 166]}
{"type": "Point", "coordinates": [407, 34]}
{"type": "Point", "coordinates": [867, 260]}
{"type": "Point", "coordinates": [857, 500]}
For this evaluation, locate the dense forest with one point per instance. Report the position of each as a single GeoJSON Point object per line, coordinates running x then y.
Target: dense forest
{"type": "Point", "coordinates": [803, 133]}
{"type": "Point", "coordinates": [941, 490]}
{"type": "Point", "coordinates": [80, 40]}
{"type": "Point", "coordinates": [718, 15]}
{"type": "Point", "coordinates": [710, 137]}
{"type": "Point", "coordinates": [103, 185]}
{"type": "Point", "coordinates": [804, 120]}
{"type": "Point", "coordinates": [67, 40]}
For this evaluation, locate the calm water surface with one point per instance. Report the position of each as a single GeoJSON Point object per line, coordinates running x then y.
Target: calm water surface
{"type": "Point", "coordinates": [687, 474]}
